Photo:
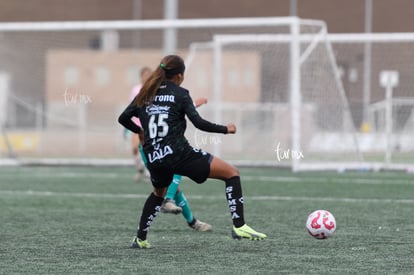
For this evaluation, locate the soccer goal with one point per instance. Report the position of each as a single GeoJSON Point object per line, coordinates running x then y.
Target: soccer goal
{"type": "Point", "coordinates": [302, 100]}
{"type": "Point", "coordinates": [342, 115]}
{"type": "Point", "coordinates": [280, 80]}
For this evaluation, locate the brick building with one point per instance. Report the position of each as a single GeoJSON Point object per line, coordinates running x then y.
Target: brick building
{"type": "Point", "coordinates": [341, 16]}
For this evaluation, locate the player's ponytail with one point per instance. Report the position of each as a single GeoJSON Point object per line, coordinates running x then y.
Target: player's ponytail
{"type": "Point", "coordinates": [150, 87]}
{"type": "Point", "coordinates": [169, 66]}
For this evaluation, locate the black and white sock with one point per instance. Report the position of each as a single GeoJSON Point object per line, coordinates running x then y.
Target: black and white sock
{"type": "Point", "coordinates": [235, 199]}
{"type": "Point", "coordinates": [149, 212]}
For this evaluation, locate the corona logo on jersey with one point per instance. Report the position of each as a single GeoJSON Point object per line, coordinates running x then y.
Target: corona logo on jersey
{"type": "Point", "coordinates": [164, 98]}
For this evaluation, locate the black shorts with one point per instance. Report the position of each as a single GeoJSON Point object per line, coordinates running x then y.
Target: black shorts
{"type": "Point", "coordinates": [195, 165]}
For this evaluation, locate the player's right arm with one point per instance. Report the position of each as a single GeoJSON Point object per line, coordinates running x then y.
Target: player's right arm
{"type": "Point", "coordinates": [125, 119]}
{"type": "Point", "coordinates": [200, 101]}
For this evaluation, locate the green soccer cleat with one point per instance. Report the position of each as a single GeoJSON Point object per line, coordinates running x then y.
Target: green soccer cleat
{"type": "Point", "coordinates": [247, 232]}
{"type": "Point", "coordinates": [137, 243]}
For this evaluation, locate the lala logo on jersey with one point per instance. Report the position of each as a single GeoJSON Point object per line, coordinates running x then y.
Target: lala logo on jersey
{"type": "Point", "coordinates": [160, 153]}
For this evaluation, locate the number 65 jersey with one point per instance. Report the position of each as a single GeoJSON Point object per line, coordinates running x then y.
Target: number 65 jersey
{"type": "Point", "coordinates": [164, 124]}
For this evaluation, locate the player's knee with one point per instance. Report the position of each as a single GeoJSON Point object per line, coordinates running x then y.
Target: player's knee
{"type": "Point", "coordinates": [159, 192]}
{"type": "Point", "coordinates": [199, 180]}
{"type": "Point", "coordinates": [235, 172]}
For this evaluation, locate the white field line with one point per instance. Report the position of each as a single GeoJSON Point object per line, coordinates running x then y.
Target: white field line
{"type": "Point", "coordinates": [374, 181]}
{"type": "Point", "coordinates": [69, 194]}
{"type": "Point", "coordinates": [378, 181]}
{"type": "Point", "coordinates": [72, 175]}
{"type": "Point", "coordinates": [8, 193]}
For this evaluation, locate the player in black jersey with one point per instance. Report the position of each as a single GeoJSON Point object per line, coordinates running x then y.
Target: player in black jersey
{"type": "Point", "coordinates": [174, 202]}
{"type": "Point", "coordinates": [161, 107]}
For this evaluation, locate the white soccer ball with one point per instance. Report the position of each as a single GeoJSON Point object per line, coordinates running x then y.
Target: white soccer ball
{"type": "Point", "coordinates": [321, 224]}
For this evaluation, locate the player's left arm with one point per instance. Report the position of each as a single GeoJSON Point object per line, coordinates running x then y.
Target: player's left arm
{"type": "Point", "coordinates": [197, 120]}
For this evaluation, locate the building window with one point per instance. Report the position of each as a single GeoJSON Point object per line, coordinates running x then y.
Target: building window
{"type": "Point", "coordinates": [233, 78]}
{"type": "Point", "coordinates": [71, 75]}
{"type": "Point", "coordinates": [102, 76]}
{"type": "Point", "coordinates": [201, 78]}
{"type": "Point", "coordinates": [133, 76]}
{"type": "Point", "coordinates": [248, 77]}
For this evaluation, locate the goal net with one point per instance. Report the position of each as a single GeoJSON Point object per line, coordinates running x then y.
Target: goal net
{"type": "Point", "coordinates": [377, 72]}
{"type": "Point", "coordinates": [300, 117]}
{"type": "Point", "coordinates": [278, 79]}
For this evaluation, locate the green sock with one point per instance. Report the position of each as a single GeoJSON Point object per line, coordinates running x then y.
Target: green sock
{"type": "Point", "coordinates": [182, 202]}
{"type": "Point", "coordinates": [142, 154]}
{"type": "Point", "coordinates": [172, 189]}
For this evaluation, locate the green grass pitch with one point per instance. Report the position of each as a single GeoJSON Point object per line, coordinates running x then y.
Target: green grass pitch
{"type": "Point", "coordinates": [81, 220]}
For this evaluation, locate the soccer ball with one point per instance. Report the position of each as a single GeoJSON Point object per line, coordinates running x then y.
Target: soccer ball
{"type": "Point", "coordinates": [321, 224]}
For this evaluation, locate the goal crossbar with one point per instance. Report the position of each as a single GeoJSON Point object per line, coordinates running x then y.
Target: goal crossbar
{"type": "Point", "coordinates": [154, 24]}
{"type": "Point", "coordinates": [306, 38]}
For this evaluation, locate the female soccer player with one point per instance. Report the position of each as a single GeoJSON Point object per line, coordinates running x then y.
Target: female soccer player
{"type": "Point", "coordinates": [175, 202]}
{"type": "Point", "coordinates": [161, 107]}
